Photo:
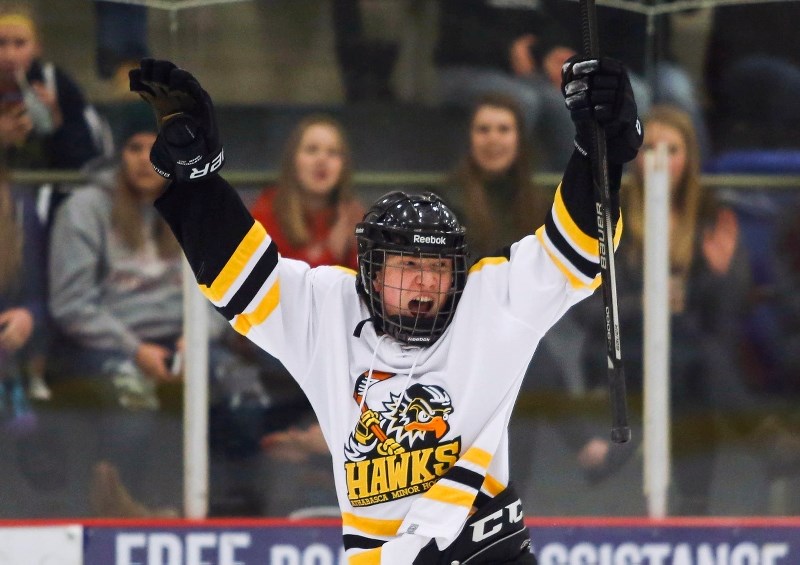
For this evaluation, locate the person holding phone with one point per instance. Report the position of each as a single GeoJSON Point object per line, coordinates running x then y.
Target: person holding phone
{"type": "Point", "coordinates": [43, 113]}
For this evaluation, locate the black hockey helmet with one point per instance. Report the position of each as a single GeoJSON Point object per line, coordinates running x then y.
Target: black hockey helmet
{"type": "Point", "coordinates": [420, 225]}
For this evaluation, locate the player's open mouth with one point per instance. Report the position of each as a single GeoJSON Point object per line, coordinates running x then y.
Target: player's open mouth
{"type": "Point", "coordinates": [421, 305]}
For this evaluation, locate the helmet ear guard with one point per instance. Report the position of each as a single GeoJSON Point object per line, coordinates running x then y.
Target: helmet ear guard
{"type": "Point", "coordinates": [421, 226]}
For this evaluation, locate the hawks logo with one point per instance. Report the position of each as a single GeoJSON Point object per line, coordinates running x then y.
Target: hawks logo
{"type": "Point", "coordinates": [397, 451]}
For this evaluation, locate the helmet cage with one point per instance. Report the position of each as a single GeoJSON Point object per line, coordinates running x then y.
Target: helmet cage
{"type": "Point", "coordinates": [376, 242]}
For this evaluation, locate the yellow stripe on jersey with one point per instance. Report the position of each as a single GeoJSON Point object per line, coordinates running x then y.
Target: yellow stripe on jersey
{"type": "Point", "coordinates": [478, 456]}
{"type": "Point", "coordinates": [371, 526]}
{"type": "Point", "coordinates": [574, 281]}
{"type": "Point", "coordinates": [450, 495]}
{"type": "Point", "coordinates": [585, 243]}
{"type": "Point", "coordinates": [369, 557]}
{"type": "Point", "coordinates": [345, 269]}
{"type": "Point", "coordinates": [618, 231]}
{"type": "Point", "coordinates": [493, 486]}
{"type": "Point", "coordinates": [270, 301]}
{"type": "Point", "coordinates": [235, 264]}
{"type": "Point", "coordinates": [487, 261]}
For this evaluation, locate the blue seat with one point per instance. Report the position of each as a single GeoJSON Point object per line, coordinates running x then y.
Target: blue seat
{"type": "Point", "coordinates": [758, 161]}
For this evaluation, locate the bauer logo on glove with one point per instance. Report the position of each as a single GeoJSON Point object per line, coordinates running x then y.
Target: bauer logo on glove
{"type": "Point", "coordinates": [211, 167]}
{"type": "Point", "coordinates": [188, 145]}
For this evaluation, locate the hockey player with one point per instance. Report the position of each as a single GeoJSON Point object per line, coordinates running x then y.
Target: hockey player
{"type": "Point", "coordinates": [413, 363]}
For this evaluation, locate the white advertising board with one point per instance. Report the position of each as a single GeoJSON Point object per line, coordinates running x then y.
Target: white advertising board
{"type": "Point", "coordinates": [47, 545]}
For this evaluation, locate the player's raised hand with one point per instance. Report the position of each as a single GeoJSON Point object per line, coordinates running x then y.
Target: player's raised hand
{"type": "Point", "coordinates": [188, 145]}
{"type": "Point", "coordinates": [599, 90]}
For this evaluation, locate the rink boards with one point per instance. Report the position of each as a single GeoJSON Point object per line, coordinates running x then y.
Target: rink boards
{"type": "Point", "coordinates": [557, 541]}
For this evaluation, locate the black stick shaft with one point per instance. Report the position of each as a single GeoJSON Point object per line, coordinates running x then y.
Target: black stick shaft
{"type": "Point", "coordinates": [620, 432]}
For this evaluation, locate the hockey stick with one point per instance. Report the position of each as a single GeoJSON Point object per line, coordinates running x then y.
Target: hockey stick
{"type": "Point", "coordinates": [620, 432]}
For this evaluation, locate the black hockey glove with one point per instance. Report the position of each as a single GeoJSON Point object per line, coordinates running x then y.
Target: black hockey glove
{"type": "Point", "coordinates": [599, 89]}
{"type": "Point", "coordinates": [188, 146]}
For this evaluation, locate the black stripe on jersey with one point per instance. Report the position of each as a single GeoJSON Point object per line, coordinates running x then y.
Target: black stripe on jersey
{"type": "Point", "coordinates": [465, 477]}
{"type": "Point", "coordinates": [209, 221]}
{"type": "Point", "coordinates": [504, 252]}
{"type": "Point", "coordinates": [352, 541]}
{"type": "Point", "coordinates": [577, 192]}
{"type": "Point", "coordinates": [481, 499]}
{"type": "Point", "coordinates": [585, 266]}
{"type": "Point", "coordinates": [263, 269]}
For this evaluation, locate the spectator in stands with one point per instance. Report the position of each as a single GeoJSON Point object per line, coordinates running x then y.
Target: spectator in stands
{"type": "Point", "coordinates": [709, 285]}
{"type": "Point", "coordinates": [311, 213]}
{"type": "Point", "coordinates": [43, 120]}
{"type": "Point", "coordinates": [115, 297]}
{"type": "Point", "coordinates": [492, 186]}
{"type": "Point", "coordinates": [755, 44]}
{"type": "Point", "coordinates": [22, 304]}
{"type": "Point", "coordinates": [518, 49]}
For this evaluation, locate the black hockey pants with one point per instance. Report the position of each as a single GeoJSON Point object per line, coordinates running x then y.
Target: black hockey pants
{"type": "Point", "coordinates": [495, 534]}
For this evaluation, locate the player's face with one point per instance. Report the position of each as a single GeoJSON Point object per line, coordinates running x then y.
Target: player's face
{"type": "Point", "coordinates": [137, 172]}
{"type": "Point", "coordinates": [414, 286]}
{"type": "Point", "coordinates": [18, 49]}
{"type": "Point", "coordinates": [319, 159]}
{"type": "Point", "coordinates": [494, 139]}
{"type": "Point", "coordinates": [656, 133]}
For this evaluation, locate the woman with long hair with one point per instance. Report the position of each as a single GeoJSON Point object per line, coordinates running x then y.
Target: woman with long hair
{"type": "Point", "coordinates": [312, 210]}
{"type": "Point", "coordinates": [492, 184]}
{"type": "Point", "coordinates": [693, 209]}
{"type": "Point", "coordinates": [115, 271]}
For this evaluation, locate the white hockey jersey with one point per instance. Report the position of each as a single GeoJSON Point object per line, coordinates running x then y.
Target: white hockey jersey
{"type": "Point", "coordinates": [447, 405]}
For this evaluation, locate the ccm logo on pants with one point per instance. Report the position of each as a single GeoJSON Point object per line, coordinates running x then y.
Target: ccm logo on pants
{"type": "Point", "coordinates": [493, 523]}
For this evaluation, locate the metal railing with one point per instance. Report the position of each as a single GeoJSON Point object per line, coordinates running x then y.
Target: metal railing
{"type": "Point", "coordinates": [409, 178]}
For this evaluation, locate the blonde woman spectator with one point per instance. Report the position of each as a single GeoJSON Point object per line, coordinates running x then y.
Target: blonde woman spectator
{"type": "Point", "coordinates": [43, 114]}
{"type": "Point", "coordinates": [709, 284]}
